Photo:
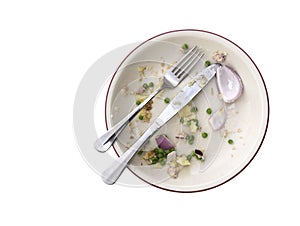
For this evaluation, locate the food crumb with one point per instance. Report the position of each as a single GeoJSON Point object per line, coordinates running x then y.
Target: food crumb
{"type": "Point", "coordinates": [219, 56]}
{"type": "Point", "coordinates": [212, 91]}
{"type": "Point", "coordinates": [124, 90]}
{"type": "Point", "coordinates": [239, 130]}
{"type": "Point", "coordinates": [220, 96]}
{"type": "Point", "coordinates": [141, 69]}
{"type": "Point", "coordinates": [225, 133]}
{"type": "Point", "coordinates": [150, 68]}
{"type": "Point", "coordinates": [145, 114]}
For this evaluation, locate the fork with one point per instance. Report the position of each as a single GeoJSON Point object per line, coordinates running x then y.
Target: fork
{"type": "Point", "coordinates": [171, 79]}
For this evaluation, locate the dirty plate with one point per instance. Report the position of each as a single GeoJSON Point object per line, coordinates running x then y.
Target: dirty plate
{"type": "Point", "coordinates": [247, 118]}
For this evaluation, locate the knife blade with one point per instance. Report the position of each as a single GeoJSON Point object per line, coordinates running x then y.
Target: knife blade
{"type": "Point", "coordinates": [198, 82]}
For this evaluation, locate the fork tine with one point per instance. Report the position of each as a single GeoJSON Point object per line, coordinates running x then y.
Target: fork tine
{"type": "Point", "coordinates": [188, 67]}
{"type": "Point", "coordinates": [183, 60]}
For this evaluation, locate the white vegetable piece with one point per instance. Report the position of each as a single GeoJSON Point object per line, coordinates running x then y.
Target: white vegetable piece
{"type": "Point", "coordinates": [182, 160]}
{"type": "Point", "coordinates": [218, 119]}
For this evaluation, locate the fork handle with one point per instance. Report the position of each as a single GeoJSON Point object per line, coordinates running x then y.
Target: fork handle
{"type": "Point", "coordinates": [104, 142]}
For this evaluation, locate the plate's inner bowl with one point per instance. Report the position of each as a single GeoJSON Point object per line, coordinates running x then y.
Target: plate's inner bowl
{"type": "Point", "coordinates": [245, 124]}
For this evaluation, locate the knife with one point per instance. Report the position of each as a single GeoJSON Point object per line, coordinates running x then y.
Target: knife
{"type": "Point", "coordinates": [198, 82]}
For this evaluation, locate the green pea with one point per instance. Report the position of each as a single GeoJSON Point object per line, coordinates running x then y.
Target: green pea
{"type": "Point", "coordinates": [160, 150]}
{"type": "Point", "coordinates": [141, 117]}
{"type": "Point", "coordinates": [230, 141]}
{"type": "Point", "coordinates": [162, 161]}
{"type": "Point", "coordinates": [151, 84]}
{"type": "Point", "coordinates": [172, 149]}
{"type": "Point", "coordinates": [207, 63]}
{"type": "Point", "coordinates": [167, 152]}
{"type": "Point", "coordinates": [145, 85]}
{"type": "Point", "coordinates": [138, 102]}
{"type": "Point", "coordinates": [167, 100]}
{"type": "Point", "coordinates": [208, 111]}
{"type": "Point", "coordinates": [204, 134]}
{"type": "Point", "coordinates": [154, 160]}
{"type": "Point", "coordinates": [156, 151]}
{"type": "Point", "coordinates": [160, 155]}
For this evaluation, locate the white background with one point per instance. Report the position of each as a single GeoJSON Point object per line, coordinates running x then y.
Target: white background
{"type": "Point", "coordinates": [45, 49]}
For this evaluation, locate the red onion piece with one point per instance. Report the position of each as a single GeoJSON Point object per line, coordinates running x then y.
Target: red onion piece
{"type": "Point", "coordinates": [198, 152]}
{"type": "Point", "coordinates": [163, 142]}
{"type": "Point", "coordinates": [229, 84]}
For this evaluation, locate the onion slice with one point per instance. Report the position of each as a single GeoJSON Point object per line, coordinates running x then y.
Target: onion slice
{"type": "Point", "coordinates": [229, 84]}
{"type": "Point", "coordinates": [163, 142]}
{"type": "Point", "coordinates": [199, 152]}
{"type": "Point", "coordinates": [218, 119]}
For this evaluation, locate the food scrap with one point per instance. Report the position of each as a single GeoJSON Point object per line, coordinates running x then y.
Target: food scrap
{"type": "Point", "coordinates": [188, 117]}
{"type": "Point", "coordinates": [145, 114]}
{"type": "Point", "coordinates": [219, 56]}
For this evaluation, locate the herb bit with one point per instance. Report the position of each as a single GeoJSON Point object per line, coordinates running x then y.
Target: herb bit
{"type": "Point", "coordinates": [138, 102]}
{"type": "Point", "coordinates": [181, 120]}
{"type": "Point", "coordinates": [167, 100]}
{"type": "Point", "coordinates": [190, 139]}
{"type": "Point", "coordinates": [194, 109]}
{"type": "Point", "coordinates": [189, 157]}
{"type": "Point", "coordinates": [141, 117]}
{"type": "Point", "coordinates": [140, 152]}
{"type": "Point", "coordinates": [185, 46]}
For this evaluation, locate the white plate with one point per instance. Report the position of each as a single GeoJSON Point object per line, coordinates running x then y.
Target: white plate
{"type": "Point", "coordinates": [247, 122]}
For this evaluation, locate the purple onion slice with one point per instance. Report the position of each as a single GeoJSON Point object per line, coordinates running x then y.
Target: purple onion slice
{"type": "Point", "coordinates": [163, 142]}
{"type": "Point", "coordinates": [229, 84]}
{"type": "Point", "coordinates": [198, 152]}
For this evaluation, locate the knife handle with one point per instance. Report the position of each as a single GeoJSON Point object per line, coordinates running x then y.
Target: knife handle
{"type": "Point", "coordinates": [104, 142]}
{"type": "Point", "coordinates": [112, 173]}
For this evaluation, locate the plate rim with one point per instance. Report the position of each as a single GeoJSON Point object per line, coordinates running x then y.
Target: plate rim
{"type": "Point", "coordinates": [262, 79]}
